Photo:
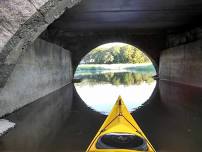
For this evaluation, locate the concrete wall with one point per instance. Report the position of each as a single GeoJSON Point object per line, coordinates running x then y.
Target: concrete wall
{"type": "Point", "coordinates": [21, 22]}
{"type": "Point", "coordinates": [42, 69]}
{"type": "Point", "coordinates": [182, 64]}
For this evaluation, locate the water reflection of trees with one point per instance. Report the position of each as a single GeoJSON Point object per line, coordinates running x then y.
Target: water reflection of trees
{"type": "Point", "coordinates": [124, 78]}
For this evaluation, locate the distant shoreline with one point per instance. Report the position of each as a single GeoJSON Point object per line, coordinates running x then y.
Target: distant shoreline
{"type": "Point", "coordinates": [114, 66]}
{"type": "Point", "coordinates": [89, 69]}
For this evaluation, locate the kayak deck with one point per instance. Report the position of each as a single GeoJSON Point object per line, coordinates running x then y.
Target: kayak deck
{"type": "Point", "coordinates": [120, 133]}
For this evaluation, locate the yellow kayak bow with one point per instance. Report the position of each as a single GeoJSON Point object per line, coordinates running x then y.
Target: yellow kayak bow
{"type": "Point", "coordinates": [120, 133]}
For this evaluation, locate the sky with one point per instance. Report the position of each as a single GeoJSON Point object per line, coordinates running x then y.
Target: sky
{"type": "Point", "coordinates": [108, 45]}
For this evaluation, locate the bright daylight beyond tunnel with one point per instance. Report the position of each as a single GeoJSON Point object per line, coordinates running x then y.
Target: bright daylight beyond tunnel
{"type": "Point", "coordinates": [111, 70]}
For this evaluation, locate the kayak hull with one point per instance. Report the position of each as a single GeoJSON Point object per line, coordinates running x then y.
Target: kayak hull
{"type": "Point", "coordinates": [120, 133]}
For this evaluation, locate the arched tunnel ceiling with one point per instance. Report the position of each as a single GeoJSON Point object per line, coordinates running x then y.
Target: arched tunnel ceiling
{"type": "Point", "coordinates": [140, 15]}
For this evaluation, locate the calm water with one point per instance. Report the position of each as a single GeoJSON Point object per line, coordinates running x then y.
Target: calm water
{"type": "Point", "coordinates": [99, 88]}
{"type": "Point", "coordinates": [63, 122]}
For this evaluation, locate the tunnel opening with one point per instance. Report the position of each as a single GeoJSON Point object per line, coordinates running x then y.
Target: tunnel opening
{"type": "Point", "coordinates": [42, 42]}
{"type": "Point", "coordinates": [114, 69]}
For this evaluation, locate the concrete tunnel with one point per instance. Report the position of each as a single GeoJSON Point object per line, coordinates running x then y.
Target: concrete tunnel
{"type": "Point", "coordinates": [43, 41]}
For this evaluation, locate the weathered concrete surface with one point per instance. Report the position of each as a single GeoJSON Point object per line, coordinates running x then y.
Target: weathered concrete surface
{"type": "Point", "coordinates": [21, 22]}
{"type": "Point", "coordinates": [24, 18]}
{"type": "Point", "coordinates": [182, 64]}
{"type": "Point", "coordinates": [184, 37]}
{"type": "Point", "coordinates": [42, 69]}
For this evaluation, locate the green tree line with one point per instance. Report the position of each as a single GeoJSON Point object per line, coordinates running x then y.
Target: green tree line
{"type": "Point", "coordinates": [125, 78]}
{"type": "Point", "coordinates": [115, 54]}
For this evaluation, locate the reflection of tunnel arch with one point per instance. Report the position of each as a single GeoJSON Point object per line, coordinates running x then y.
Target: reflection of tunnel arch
{"type": "Point", "coordinates": [155, 64]}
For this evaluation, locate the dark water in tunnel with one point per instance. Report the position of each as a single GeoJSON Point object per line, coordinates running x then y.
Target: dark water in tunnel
{"type": "Point", "coordinates": [62, 122]}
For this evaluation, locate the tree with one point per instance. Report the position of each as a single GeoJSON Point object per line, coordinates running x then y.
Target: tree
{"type": "Point", "coordinates": [116, 54]}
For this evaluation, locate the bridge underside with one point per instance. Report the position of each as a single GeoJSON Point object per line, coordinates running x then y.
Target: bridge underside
{"type": "Point", "coordinates": [147, 25]}
{"type": "Point", "coordinates": [169, 32]}
{"type": "Point", "coordinates": [139, 16]}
